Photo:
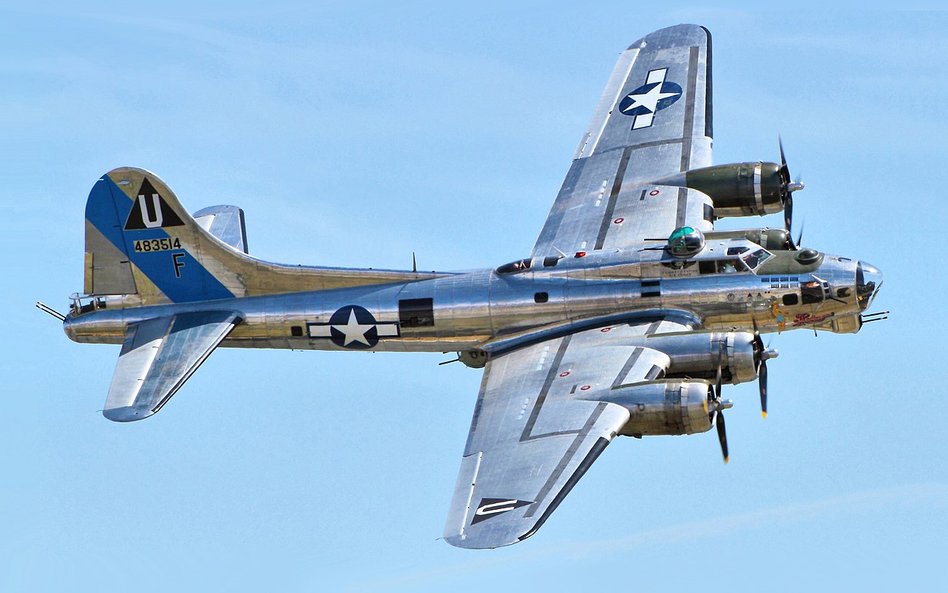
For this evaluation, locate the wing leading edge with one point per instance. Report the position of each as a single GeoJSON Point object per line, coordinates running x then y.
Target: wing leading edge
{"type": "Point", "coordinates": [539, 424]}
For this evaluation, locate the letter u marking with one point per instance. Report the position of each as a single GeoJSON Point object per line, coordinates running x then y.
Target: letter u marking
{"type": "Point", "coordinates": [146, 216]}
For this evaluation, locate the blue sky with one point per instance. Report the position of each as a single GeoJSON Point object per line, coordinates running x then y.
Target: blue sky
{"type": "Point", "coordinates": [356, 133]}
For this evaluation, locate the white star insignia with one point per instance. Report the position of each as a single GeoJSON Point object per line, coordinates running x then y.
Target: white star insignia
{"type": "Point", "coordinates": [648, 100]}
{"type": "Point", "coordinates": [353, 330]}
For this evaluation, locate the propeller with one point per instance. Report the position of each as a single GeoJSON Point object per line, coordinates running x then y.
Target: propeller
{"type": "Point", "coordinates": [762, 355]}
{"type": "Point", "coordinates": [716, 407]}
{"type": "Point", "coordinates": [787, 187]}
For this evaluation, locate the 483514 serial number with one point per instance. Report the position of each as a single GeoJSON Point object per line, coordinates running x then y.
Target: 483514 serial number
{"type": "Point", "coordinates": [166, 244]}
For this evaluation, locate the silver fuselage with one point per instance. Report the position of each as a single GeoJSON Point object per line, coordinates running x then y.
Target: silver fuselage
{"type": "Point", "coordinates": [484, 309]}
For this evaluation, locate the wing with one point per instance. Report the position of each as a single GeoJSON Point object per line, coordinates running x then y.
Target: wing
{"type": "Point", "coordinates": [158, 356]}
{"type": "Point", "coordinates": [537, 428]}
{"type": "Point", "coordinates": [653, 121]}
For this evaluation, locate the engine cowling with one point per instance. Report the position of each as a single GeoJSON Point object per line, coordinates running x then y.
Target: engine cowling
{"type": "Point", "coordinates": [664, 407]}
{"type": "Point", "coordinates": [698, 355]}
{"type": "Point", "coordinates": [770, 239]}
{"type": "Point", "coordinates": [739, 189]}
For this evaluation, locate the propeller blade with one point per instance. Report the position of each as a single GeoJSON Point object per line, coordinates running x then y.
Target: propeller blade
{"type": "Point", "coordinates": [722, 434]}
{"type": "Point", "coordinates": [762, 382]}
{"type": "Point", "coordinates": [788, 211]}
{"type": "Point", "coordinates": [717, 383]}
{"type": "Point", "coordinates": [784, 170]}
{"type": "Point", "coordinates": [762, 354]}
{"type": "Point", "coordinates": [786, 190]}
{"type": "Point", "coordinates": [717, 380]}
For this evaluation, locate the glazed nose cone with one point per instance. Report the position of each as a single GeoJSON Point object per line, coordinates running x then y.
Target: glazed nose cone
{"type": "Point", "coordinates": [868, 282]}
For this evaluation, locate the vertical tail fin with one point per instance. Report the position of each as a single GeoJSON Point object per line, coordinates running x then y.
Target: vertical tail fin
{"type": "Point", "coordinates": [140, 241]}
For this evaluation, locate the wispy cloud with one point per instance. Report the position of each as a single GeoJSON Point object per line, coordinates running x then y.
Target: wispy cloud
{"type": "Point", "coordinates": [854, 503]}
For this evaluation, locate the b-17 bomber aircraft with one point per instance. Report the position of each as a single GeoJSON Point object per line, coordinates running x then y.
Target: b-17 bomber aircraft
{"type": "Point", "coordinates": [627, 317]}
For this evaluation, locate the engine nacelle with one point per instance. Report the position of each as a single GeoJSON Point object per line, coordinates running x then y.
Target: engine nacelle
{"type": "Point", "coordinates": [768, 238]}
{"type": "Point", "coordinates": [664, 407]}
{"type": "Point", "coordinates": [739, 189]}
{"type": "Point", "coordinates": [698, 355]}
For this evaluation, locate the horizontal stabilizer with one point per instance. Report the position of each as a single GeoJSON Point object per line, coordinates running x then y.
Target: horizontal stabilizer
{"type": "Point", "coordinates": [158, 356]}
{"type": "Point", "coordinates": [226, 223]}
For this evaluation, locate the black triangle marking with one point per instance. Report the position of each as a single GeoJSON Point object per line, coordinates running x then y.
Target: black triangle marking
{"type": "Point", "coordinates": [151, 211]}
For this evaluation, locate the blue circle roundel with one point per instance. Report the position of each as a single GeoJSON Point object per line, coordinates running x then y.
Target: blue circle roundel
{"type": "Point", "coordinates": [650, 98]}
{"type": "Point", "coordinates": [353, 326]}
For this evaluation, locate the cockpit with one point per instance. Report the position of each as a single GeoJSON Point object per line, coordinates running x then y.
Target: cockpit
{"type": "Point", "coordinates": [688, 242]}
{"type": "Point", "coordinates": [752, 258]}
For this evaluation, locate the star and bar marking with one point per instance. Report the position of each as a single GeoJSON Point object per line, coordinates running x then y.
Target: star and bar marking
{"type": "Point", "coordinates": [656, 94]}
{"type": "Point", "coordinates": [353, 327]}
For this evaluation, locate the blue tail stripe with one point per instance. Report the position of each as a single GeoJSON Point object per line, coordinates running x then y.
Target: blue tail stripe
{"type": "Point", "coordinates": [175, 272]}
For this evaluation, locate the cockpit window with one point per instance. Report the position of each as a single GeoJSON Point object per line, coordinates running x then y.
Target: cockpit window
{"type": "Point", "coordinates": [753, 260]}
{"type": "Point", "coordinates": [720, 266]}
{"type": "Point", "coordinates": [813, 291]}
{"type": "Point", "coordinates": [521, 265]}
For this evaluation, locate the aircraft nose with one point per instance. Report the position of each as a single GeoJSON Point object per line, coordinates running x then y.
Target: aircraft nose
{"type": "Point", "coordinates": [868, 283]}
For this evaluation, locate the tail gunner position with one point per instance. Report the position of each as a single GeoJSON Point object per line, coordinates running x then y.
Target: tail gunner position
{"type": "Point", "coordinates": [626, 319]}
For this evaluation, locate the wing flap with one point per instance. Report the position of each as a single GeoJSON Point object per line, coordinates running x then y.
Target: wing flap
{"type": "Point", "coordinates": [158, 356]}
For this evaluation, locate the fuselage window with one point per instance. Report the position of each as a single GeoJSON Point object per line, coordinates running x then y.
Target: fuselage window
{"type": "Point", "coordinates": [812, 292]}
{"type": "Point", "coordinates": [721, 266]}
{"type": "Point", "coordinates": [416, 312]}
{"type": "Point", "coordinates": [790, 299]}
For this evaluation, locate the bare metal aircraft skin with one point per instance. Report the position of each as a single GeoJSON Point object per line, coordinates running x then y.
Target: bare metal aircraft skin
{"type": "Point", "coordinates": [626, 319]}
